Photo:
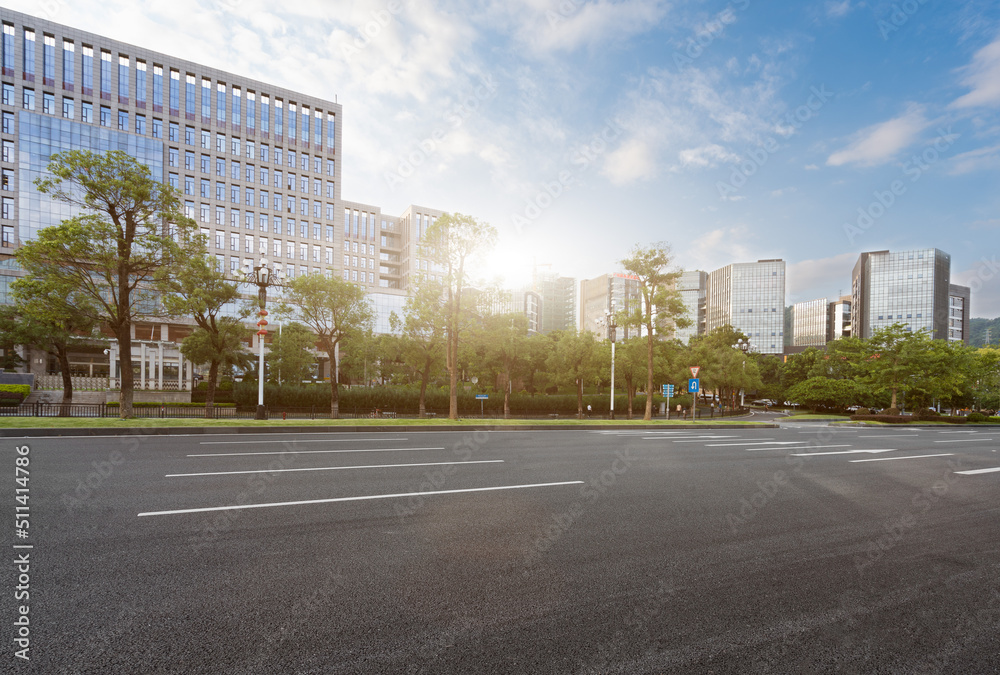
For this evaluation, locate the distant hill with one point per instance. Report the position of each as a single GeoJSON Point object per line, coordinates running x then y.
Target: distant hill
{"type": "Point", "coordinates": [978, 328]}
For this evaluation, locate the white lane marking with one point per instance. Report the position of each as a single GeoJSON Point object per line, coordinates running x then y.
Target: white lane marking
{"type": "Point", "coordinates": [893, 459]}
{"type": "Point", "coordinates": [697, 439]}
{"type": "Point", "coordinates": [966, 440]}
{"type": "Point", "coordinates": [958, 432]}
{"type": "Point", "coordinates": [801, 447]}
{"type": "Point", "coordinates": [727, 445]}
{"type": "Point", "coordinates": [891, 436]}
{"type": "Point", "coordinates": [308, 452]}
{"type": "Point", "coordinates": [842, 452]}
{"type": "Point", "coordinates": [331, 468]}
{"type": "Point", "coordinates": [973, 472]}
{"type": "Point", "coordinates": [355, 499]}
{"type": "Point", "coordinates": [305, 440]}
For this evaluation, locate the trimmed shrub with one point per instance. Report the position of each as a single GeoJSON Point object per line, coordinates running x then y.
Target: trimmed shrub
{"type": "Point", "coordinates": [926, 414]}
{"type": "Point", "coordinates": [891, 411]}
{"type": "Point", "coordinates": [976, 417]}
{"type": "Point", "coordinates": [14, 394]}
{"type": "Point", "coordinates": [153, 404]}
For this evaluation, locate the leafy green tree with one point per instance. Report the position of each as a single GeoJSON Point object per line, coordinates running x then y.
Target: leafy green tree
{"type": "Point", "coordinates": [799, 367]}
{"type": "Point", "coordinates": [449, 243]}
{"type": "Point", "coordinates": [290, 358]}
{"type": "Point", "coordinates": [422, 334]}
{"type": "Point", "coordinates": [335, 310]}
{"type": "Point", "coordinates": [896, 359]}
{"type": "Point", "coordinates": [194, 287]}
{"type": "Point", "coordinates": [504, 339]}
{"type": "Point", "coordinates": [724, 367]}
{"type": "Point", "coordinates": [128, 228]}
{"type": "Point", "coordinates": [631, 367]}
{"type": "Point", "coordinates": [823, 392]}
{"type": "Point", "coordinates": [47, 314]}
{"type": "Point", "coordinates": [222, 345]}
{"type": "Point", "coordinates": [575, 360]}
{"type": "Point", "coordinates": [984, 376]}
{"type": "Point", "coordinates": [661, 308]}
{"type": "Point", "coordinates": [769, 367]}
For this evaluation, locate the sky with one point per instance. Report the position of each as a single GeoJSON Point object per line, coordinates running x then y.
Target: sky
{"type": "Point", "coordinates": [733, 131]}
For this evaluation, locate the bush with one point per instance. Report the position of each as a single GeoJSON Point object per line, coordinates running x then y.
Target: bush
{"type": "Point", "coordinates": [862, 411]}
{"type": "Point", "coordinates": [926, 414]}
{"type": "Point", "coordinates": [891, 411]}
{"type": "Point", "coordinates": [154, 404]}
{"type": "Point", "coordinates": [14, 394]}
{"type": "Point", "coordinates": [976, 417]}
{"type": "Point", "coordinates": [903, 419]}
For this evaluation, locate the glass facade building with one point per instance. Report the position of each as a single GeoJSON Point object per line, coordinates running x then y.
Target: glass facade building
{"type": "Point", "coordinates": [908, 287]}
{"type": "Point", "coordinates": [693, 289]}
{"type": "Point", "coordinates": [809, 323]}
{"type": "Point", "coordinates": [256, 164]}
{"type": "Point", "coordinates": [751, 298]}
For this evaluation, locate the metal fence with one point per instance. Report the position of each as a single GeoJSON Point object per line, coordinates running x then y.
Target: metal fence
{"type": "Point", "coordinates": [168, 411]}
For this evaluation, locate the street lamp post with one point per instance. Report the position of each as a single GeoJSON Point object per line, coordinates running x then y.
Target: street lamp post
{"type": "Point", "coordinates": [261, 276]}
{"type": "Point", "coordinates": [743, 346]}
{"type": "Point", "coordinates": [612, 326]}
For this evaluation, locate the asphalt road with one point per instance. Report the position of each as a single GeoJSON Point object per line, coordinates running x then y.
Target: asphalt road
{"type": "Point", "coordinates": [793, 550]}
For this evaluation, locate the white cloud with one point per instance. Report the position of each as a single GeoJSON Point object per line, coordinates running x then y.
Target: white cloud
{"type": "Point", "coordinates": [976, 160]}
{"type": "Point", "coordinates": [722, 246]}
{"type": "Point", "coordinates": [633, 160]}
{"type": "Point", "coordinates": [811, 167]}
{"type": "Point", "coordinates": [812, 279]}
{"type": "Point", "coordinates": [838, 9]}
{"type": "Point", "coordinates": [564, 25]}
{"type": "Point", "coordinates": [983, 77]}
{"type": "Point", "coordinates": [707, 156]}
{"type": "Point", "coordinates": [881, 142]}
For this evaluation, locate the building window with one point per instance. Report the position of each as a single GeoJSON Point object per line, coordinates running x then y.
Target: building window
{"type": "Point", "coordinates": [8, 122]}
{"type": "Point", "coordinates": [123, 80]}
{"type": "Point", "coordinates": [105, 74]}
{"type": "Point", "coordinates": [106, 120]}
{"type": "Point", "coordinates": [28, 62]}
{"type": "Point", "coordinates": [140, 125]}
{"type": "Point", "coordinates": [87, 112]}
{"type": "Point", "coordinates": [122, 120]}
{"type": "Point", "coordinates": [8, 94]}
{"type": "Point", "coordinates": [28, 99]}
{"type": "Point", "coordinates": [157, 128]}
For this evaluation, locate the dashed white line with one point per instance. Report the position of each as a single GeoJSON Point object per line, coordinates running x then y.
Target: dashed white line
{"type": "Point", "coordinates": [893, 459]}
{"type": "Point", "coordinates": [331, 468]}
{"type": "Point", "coordinates": [973, 472]}
{"type": "Point", "coordinates": [309, 452]}
{"type": "Point", "coordinates": [842, 452]}
{"type": "Point", "coordinates": [356, 499]}
{"type": "Point", "coordinates": [304, 440]}
{"type": "Point", "coordinates": [727, 445]}
{"type": "Point", "coordinates": [966, 440]}
{"type": "Point", "coordinates": [801, 447]}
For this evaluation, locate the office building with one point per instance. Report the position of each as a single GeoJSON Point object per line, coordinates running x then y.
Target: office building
{"type": "Point", "coordinates": [909, 287]}
{"type": "Point", "coordinates": [809, 323]}
{"type": "Point", "coordinates": [618, 292]}
{"type": "Point", "coordinates": [751, 298]}
{"type": "Point", "coordinates": [257, 165]}
{"type": "Point", "coordinates": [692, 287]}
{"type": "Point", "coordinates": [839, 319]}
{"type": "Point", "coordinates": [557, 295]}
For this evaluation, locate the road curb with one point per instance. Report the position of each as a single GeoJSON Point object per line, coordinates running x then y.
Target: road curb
{"type": "Point", "coordinates": [167, 431]}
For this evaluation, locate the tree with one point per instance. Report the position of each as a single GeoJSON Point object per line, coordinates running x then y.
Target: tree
{"type": "Point", "coordinates": [822, 392]}
{"type": "Point", "coordinates": [724, 367]}
{"type": "Point", "coordinates": [660, 308]}
{"type": "Point", "coordinates": [47, 314]}
{"type": "Point", "coordinates": [422, 333]}
{"type": "Point", "coordinates": [504, 338]}
{"type": "Point", "coordinates": [290, 358]}
{"type": "Point", "coordinates": [335, 310]}
{"type": "Point", "coordinates": [449, 243]}
{"type": "Point", "coordinates": [894, 358]}
{"type": "Point", "coordinates": [631, 366]}
{"type": "Point", "coordinates": [130, 226]}
{"type": "Point", "coordinates": [575, 359]}
{"type": "Point", "coordinates": [222, 346]}
{"type": "Point", "coordinates": [196, 288]}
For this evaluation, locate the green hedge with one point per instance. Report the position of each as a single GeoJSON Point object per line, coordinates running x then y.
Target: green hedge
{"type": "Point", "coordinates": [14, 394]}
{"type": "Point", "coordinates": [406, 400]}
{"type": "Point", "coordinates": [903, 419]}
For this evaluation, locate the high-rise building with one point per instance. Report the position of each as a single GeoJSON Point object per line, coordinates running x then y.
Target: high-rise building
{"type": "Point", "coordinates": [558, 299]}
{"type": "Point", "coordinates": [809, 323]}
{"type": "Point", "coordinates": [958, 313]}
{"type": "Point", "coordinates": [909, 287]}
{"type": "Point", "coordinates": [692, 287]}
{"type": "Point", "coordinates": [618, 292]}
{"type": "Point", "coordinates": [839, 319]}
{"type": "Point", "coordinates": [257, 165]}
{"type": "Point", "coordinates": [751, 298]}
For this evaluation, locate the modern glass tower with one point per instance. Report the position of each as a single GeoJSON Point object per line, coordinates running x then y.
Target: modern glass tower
{"type": "Point", "coordinates": [751, 298]}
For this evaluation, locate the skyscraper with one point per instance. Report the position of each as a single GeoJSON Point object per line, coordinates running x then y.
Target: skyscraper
{"type": "Point", "coordinates": [751, 298]}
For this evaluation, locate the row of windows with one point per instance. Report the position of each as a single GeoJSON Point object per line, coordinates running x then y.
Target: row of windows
{"type": "Point", "coordinates": [217, 99]}
{"type": "Point", "coordinates": [235, 192]}
{"type": "Point", "coordinates": [236, 265]}
{"type": "Point", "coordinates": [107, 117]}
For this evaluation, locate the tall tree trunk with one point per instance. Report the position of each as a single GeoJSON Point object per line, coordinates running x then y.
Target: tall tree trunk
{"type": "Point", "coordinates": [453, 373]}
{"type": "Point", "coordinates": [649, 381]}
{"type": "Point", "coordinates": [630, 388]}
{"type": "Point", "coordinates": [124, 337]}
{"type": "Point", "coordinates": [213, 373]}
{"type": "Point", "coordinates": [62, 353]}
{"type": "Point", "coordinates": [579, 398]}
{"type": "Point", "coordinates": [334, 389]}
{"type": "Point", "coordinates": [506, 401]}
{"type": "Point", "coordinates": [425, 376]}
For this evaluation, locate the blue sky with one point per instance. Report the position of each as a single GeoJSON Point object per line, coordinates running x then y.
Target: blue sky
{"type": "Point", "coordinates": [739, 130]}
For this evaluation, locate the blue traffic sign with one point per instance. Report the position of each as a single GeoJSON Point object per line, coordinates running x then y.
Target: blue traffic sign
{"type": "Point", "coordinates": [693, 385]}
{"type": "Point", "coordinates": [482, 396]}
{"type": "Point", "coordinates": [668, 390]}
